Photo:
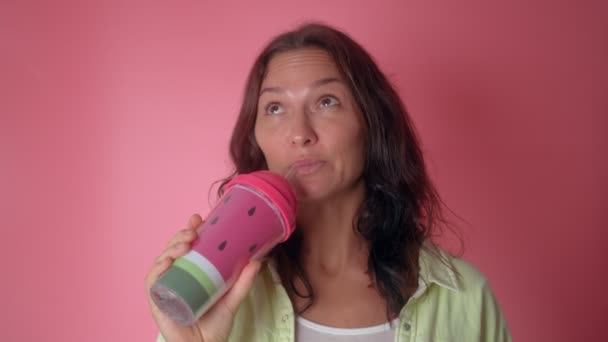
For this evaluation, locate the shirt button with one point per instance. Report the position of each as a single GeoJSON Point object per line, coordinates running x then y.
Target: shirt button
{"type": "Point", "coordinates": [285, 318]}
{"type": "Point", "coordinates": [407, 326]}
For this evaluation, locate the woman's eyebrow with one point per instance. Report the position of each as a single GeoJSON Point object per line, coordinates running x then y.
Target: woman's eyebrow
{"type": "Point", "coordinates": [314, 84]}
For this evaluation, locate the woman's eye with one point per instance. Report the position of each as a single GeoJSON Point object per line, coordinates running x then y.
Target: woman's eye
{"type": "Point", "coordinates": [274, 109]}
{"type": "Point", "coordinates": [328, 101]}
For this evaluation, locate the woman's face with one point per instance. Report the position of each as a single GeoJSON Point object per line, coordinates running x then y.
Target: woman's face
{"type": "Point", "coordinates": [307, 121]}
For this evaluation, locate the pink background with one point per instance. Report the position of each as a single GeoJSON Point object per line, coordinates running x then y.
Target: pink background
{"type": "Point", "coordinates": [115, 118]}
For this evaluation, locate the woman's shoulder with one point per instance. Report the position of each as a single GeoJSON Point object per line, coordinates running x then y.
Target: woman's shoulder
{"type": "Point", "coordinates": [450, 271]}
{"type": "Point", "coordinates": [457, 294]}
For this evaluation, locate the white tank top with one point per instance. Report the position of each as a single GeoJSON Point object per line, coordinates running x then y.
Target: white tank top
{"type": "Point", "coordinates": [307, 331]}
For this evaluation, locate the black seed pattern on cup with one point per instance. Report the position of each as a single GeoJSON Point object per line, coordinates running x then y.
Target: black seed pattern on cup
{"type": "Point", "coordinates": [222, 245]}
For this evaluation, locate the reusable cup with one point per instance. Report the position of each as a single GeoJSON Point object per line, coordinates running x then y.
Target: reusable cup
{"type": "Point", "coordinates": [256, 212]}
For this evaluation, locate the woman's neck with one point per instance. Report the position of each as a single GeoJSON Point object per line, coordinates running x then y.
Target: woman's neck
{"type": "Point", "coordinates": [330, 243]}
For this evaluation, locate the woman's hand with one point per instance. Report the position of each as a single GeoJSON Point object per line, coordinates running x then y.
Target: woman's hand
{"type": "Point", "coordinates": [215, 325]}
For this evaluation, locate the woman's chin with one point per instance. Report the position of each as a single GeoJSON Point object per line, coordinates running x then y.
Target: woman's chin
{"type": "Point", "coordinates": [310, 193]}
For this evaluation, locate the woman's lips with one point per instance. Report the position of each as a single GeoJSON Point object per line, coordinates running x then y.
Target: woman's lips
{"type": "Point", "coordinates": [307, 166]}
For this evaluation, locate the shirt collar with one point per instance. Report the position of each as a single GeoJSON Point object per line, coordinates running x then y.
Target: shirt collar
{"type": "Point", "coordinates": [436, 268]}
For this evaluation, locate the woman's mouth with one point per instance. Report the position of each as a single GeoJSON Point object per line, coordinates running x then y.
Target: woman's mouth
{"type": "Point", "coordinates": [306, 166]}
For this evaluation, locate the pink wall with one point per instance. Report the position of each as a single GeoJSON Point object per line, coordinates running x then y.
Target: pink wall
{"type": "Point", "coordinates": [114, 121]}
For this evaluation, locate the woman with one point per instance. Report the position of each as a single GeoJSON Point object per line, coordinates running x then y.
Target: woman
{"type": "Point", "coordinates": [361, 265]}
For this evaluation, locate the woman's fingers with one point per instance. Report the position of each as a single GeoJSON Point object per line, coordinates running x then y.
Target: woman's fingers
{"type": "Point", "coordinates": [195, 221]}
{"type": "Point", "coordinates": [177, 246]}
{"type": "Point", "coordinates": [180, 243]}
{"type": "Point", "coordinates": [187, 234]}
{"type": "Point", "coordinates": [184, 235]}
{"type": "Point", "coordinates": [173, 252]}
{"type": "Point", "coordinates": [155, 271]}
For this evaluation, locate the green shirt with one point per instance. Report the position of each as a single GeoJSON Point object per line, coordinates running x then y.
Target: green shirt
{"type": "Point", "coordinates": [448, 306]}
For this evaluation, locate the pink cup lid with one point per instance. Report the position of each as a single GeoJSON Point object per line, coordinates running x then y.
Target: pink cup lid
{"type": "Point", "coordinates": [276, 189]}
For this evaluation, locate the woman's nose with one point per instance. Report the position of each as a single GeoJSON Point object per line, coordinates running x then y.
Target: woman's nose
{"type": "Point", "coordinates": [302, 132]}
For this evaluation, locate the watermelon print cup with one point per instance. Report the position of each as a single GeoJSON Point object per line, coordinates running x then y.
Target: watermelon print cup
{"type": "Point", "coordinates": [256, 212]}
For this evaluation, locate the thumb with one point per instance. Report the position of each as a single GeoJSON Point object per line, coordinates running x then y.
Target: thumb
{"type": "Point", "coordinates": [241, 287]}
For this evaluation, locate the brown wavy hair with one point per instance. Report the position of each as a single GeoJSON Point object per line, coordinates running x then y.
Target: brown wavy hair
{"type": "Point", "coordinates": [401, 209]}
